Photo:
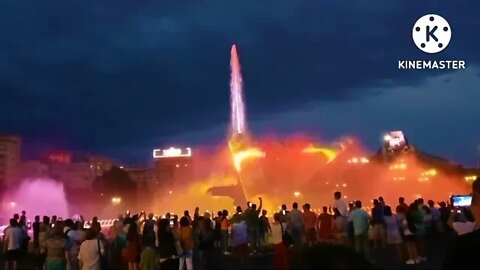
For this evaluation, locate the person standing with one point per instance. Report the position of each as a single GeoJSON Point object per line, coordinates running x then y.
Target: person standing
{"type": "Point", "coordinates": [340, 204]}
{"type": "Point", "coordinates": [252, 217]}
{"type": "Point", "coordinates": [36, 232]}
{"type": "Point", "coordinates": [325, 224]}
{"type": "Point", "coordinates": [240, 238]}
{"type": "Point", "coordinates": [295, 225]}
{"type": "Point", "coordinates": [359, 218]}
{"type": "Point", "coordinates": [436, 218]}
{"type": "Point", "coordinates": [464, 250]}
{"type": "Point", "coordinates": [378, 224]}
{"type": "Point", "coordinates": [148, 233]}
{"type": "Point", "coordinates": [393, 231]}
{"type": "Point", "coordinates": [310, 223]}
{"type": "Point", "coordinates": [402, 207]}
{"type": "Point", "coordinates": [131, 252]}
{"type": "Point", "coordinates": [12, 239]}
{"type": "Point", "coordinates": [43, 236]}
{"type": "Point", "coordinates": [265, 229]}
{"type": "Point", "coordinates": [90, 252]}
{"type": "Point", "coordinates": [206, 244]}
{"type": "Point", "coordinates": [56, 250]}
{"type": "Point", "coordinates": [225, 225]}
{"type": "Point", "coordinates": [186, 242]}
{"type": "Point", "coordinates": [166, 246]}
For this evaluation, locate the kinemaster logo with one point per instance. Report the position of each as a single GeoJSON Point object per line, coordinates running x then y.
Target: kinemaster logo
{"type": "Point", "coordinates": [432, 34]}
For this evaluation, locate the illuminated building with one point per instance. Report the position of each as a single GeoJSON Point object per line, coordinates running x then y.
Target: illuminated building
{"type": "Point", "coordinates": [173, 165]}
{"type": "Point", "coordinates": [10, 147]}
{"type": "Point", "coordinates": [76, 170]}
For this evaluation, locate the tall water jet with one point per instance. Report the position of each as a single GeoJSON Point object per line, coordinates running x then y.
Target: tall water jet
{"type": "Point", "coordinates": [37, 196]}
{"type": "Point", "coordinates": [236, 97]}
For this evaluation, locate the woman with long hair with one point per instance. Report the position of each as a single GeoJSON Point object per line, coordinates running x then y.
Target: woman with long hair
{"type": "Point", "coordinates": [166, 246]}
{"type": "Point", "coordinates": [206, 242]}
{"type": "Point", "coordinates": [131, 252]}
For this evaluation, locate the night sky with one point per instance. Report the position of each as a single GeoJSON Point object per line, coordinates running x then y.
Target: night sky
{"type": "Point", "coordinates": [121, 77]}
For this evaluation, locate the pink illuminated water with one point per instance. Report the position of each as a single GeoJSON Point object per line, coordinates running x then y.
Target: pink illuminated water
{"type": "Point", "coordinates": [37, 196]}
{"type": "Point", "coordinates": [236, 98]}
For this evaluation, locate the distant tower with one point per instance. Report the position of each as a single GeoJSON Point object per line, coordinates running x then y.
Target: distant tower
{"type": "Point", "coordinates": [10, 148]}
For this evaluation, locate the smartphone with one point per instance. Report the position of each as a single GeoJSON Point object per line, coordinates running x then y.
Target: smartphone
{"type": "Point", "coordinates": [249, 204]}
{"type": "Point", "coordinates": [171, 222]}
{"type": "Point", "coordinates": [461, 200]}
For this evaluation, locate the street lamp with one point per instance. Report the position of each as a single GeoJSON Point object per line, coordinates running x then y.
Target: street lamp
{"type": "Point", "coordinates": [116, 200]}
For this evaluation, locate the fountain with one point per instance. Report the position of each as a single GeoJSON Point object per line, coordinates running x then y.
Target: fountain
{"type": "Point", "coordinates": [298, 168]}
{"type": "Point", "coordinates": [37, 196]}
{"type": "Point", "coordinates": [236, 98]}
{"type": "Point", "coordinates": [238, 143]}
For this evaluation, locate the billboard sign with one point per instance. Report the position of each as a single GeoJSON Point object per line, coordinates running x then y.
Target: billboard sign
{"type": "Point", "coordinates": [396, 140]}
{"type": "Point", "coordinates": [172, 152]}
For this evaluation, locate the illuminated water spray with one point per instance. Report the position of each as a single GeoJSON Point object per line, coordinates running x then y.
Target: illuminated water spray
{"type": "Point", "coordinates": [236, 98]}
{"type": "Point", "coordinates": [238, 142]}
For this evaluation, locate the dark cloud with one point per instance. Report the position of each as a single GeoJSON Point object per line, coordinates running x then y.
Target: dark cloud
{"type": "Point", "coordinates": [106, 75]}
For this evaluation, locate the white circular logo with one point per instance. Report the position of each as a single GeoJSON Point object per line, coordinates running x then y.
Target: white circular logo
{"type": "Point", "coordinates": [431, 33]}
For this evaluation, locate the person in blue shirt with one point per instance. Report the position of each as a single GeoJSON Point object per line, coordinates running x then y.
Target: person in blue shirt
{"type": "Point", "coordinates": [359, 218]}
{"type": "Point", "coordinates": [378, 224]}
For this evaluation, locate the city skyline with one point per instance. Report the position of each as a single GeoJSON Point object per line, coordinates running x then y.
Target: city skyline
{"type": "Point", "coordinates": [160, 77]}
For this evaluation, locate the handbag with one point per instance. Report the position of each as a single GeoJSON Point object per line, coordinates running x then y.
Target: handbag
{"type": "Point", "coordinates": [103, 259]}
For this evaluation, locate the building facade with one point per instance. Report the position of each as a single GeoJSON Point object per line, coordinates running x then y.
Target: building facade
{"type": "Point", "coordinates": [10, 159]}
{"type": "Point", "coordinates": [172, 166]}
{"type": "Point", "coordinates": [76, 170]}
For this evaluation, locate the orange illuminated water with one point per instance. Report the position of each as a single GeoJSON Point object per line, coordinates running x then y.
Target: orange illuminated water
{"type": "Point", "coordinates": [300, 169]}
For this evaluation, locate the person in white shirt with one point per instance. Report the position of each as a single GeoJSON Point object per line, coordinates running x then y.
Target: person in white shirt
{"type": "Point", "coordinates": [90, 252]}
{"type": "Point", "coordinates": [340, 204]}
{"type": "Point", "coordinates": [295, 225]}
{"type": "Point", "coordinates": [12, 238]}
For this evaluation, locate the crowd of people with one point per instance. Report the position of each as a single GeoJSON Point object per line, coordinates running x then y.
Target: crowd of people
{"type": "Point", "coordinates": [193, 242]}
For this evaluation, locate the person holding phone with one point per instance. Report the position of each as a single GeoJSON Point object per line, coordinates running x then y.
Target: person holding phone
{"type": "Point", "coordinates": [461, 221]}
{"type": "Point", "coordinates": [465, 249]}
